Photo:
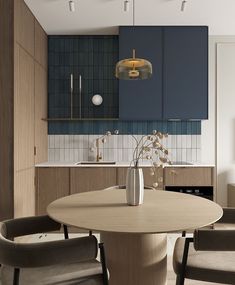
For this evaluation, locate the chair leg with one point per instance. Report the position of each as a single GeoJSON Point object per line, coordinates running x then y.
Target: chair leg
{"type": "Point", "coordinates": [103, 262]}
{"type": "Point", "coordinates": [90, 233]}
{"type": "Point", "coordinates": [16, 277]}
{"type": "Point", "coordinates": [179, 280]}
{"type": "Point", "coordinates": [181, 276]}
{"type": "Point", "coordinates": [66, 235]}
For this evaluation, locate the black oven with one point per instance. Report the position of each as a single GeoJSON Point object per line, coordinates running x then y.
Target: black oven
{"type": "Point", "coordinates": [201, 191]}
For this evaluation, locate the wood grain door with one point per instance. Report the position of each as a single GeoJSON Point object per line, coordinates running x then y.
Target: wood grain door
{"type": "Point", "coordinates": [149, 179]}
{"type": "Point", "coordinates": [24, 193]}
{"type": "Point", "coordinates": [91, 178]}
{"type": "Point", "coordinates": [188, 176]}
{"type": "Point", "coordinates": [51, 183]}
{"type": "Point", "coordinates": [24, 110]}
{"type": "Point", "coordinates": [24, 26]}
{"type": "Point", "coordinates": [40, 130]}
{"type": "Point", "coordinates": [40, 41]}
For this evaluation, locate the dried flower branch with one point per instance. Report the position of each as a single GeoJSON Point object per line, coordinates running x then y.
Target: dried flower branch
{"type": "Point", "coordinates": [150, 147]}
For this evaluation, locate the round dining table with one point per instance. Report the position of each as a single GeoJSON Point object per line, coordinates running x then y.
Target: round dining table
{"type": "Point", "coordinates": [134, 237]}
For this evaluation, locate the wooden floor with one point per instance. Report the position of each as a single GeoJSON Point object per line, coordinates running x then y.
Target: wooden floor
{"type": "Point", "coordinates": [171, 241]}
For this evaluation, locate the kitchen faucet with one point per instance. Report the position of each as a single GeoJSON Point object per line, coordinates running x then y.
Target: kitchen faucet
{"type": "Point", "coordinates": [103, 140]}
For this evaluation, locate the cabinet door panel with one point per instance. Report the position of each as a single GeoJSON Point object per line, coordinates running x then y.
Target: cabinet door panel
{"type": "Point", "coordinates": [24, 193]}
{"type": "Point", "coordinates": [52, 184]}
{"type": "Point", "coordinates": [24, 26]}
{"type": "Point", "coordinates": [91, 178]}
{"type": "Point", "coordinates": [141, 99]}
{"type": "Point", "coordinates": [185, 73]}
{"type": "Point", "coordinates": [41, 140]}
{"type": "Point", "coordinates": [188, 176]}
{"type": "Point", "coordinates": [24, 110]}
{"type": "Point", "coordinates": [148, 178]}
{"type": "Point", "coordinates": [40, 45]}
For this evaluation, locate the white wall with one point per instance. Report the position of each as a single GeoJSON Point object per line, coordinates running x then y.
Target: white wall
{"type": "Point", "coordinates": [218, 133]}
{"type": "Point", "coordinates": [225, 118]}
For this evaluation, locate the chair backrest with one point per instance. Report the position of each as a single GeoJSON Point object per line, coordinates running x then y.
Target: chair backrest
{"type": "Point", "coordinates": [41, 253]}
{"type": "Point", "coordinates": [124, 187]}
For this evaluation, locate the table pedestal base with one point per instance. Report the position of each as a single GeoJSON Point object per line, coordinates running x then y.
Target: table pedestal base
{"type": "Point", "coordinates": [136, 259]}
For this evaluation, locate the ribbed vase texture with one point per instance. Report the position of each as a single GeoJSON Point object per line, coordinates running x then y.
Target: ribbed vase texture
{"type": "Point", "coordinates": [134, 186]}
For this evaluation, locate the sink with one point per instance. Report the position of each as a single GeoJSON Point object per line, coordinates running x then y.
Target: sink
{"type": "Point", "coordinates": [181, 163]}
{"type": "Point", "coordinates": [96, 163]}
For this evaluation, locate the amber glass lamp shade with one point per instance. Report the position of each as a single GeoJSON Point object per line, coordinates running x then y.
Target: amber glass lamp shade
{"type": "Point", "coordinates": [133, 68]}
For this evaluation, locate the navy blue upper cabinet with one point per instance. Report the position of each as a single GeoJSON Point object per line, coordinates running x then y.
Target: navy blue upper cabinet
{"type": "Point", "coordinates": [141, 99]}
{"type": "Point", "coordinates": [185, 72]}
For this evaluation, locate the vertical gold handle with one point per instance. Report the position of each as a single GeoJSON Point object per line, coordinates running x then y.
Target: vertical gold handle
{"type": "Point", "coordinates": [71, 95]}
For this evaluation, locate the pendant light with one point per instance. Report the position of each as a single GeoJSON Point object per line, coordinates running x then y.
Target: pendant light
{"type": "Point", "coordinates": [133, 68]}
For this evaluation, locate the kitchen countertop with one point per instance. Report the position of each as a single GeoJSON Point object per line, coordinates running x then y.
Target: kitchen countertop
{"type": "Point", "coordinates": [117, 164]}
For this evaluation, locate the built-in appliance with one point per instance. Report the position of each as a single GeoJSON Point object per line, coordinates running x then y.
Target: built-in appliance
{"type": "Point", "coordinates": [202, 191]}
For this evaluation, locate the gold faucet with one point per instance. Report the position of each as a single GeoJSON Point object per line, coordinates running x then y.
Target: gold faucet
{"type": "Point", "coordinates": [98, 154]}
{"type": "Point", "coordinates": [103, 140]}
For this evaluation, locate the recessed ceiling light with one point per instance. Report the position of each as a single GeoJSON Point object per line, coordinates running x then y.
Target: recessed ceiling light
{"type": "Point", "coordinates": [126, 5]}
{"type": "Point", "coordinates": [183, 5]}
{"type": "Point", "coordinates": [71, 6]}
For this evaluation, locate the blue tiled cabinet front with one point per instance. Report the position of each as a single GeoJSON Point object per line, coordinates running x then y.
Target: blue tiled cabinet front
{"type": "Point", "coordinates": [185, 73]}
{"type": "Point", "coordinates": [91, 57]}
{"type": "Point", "coordinates": [141, 99]}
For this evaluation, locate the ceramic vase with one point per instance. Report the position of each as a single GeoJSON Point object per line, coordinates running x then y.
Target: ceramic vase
{"type": "Point", "coordinates": [134, 186]}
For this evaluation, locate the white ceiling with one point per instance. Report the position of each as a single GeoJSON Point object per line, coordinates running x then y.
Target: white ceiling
{"type": "Point", "coordinates": [104, 16]}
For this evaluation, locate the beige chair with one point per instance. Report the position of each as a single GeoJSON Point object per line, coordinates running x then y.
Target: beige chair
{"type": "Point", "coordinates": [124, 187]}
{"type": "Point", "coordinates": [209, 256]}
{"type": "Point", "coordinates": [67, 262]}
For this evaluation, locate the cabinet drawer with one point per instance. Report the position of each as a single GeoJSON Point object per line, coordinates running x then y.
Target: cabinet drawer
{"type": "Point", "coordinates": [84, 179]}
{"type": "Point", "coordinates": [188, 176]}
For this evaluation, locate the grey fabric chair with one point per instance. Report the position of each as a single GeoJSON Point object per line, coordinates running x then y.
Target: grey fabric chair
{"type": "Point", "coordinates": [70, 261]}
{"type": "Point", "coordinates": [209, 256]}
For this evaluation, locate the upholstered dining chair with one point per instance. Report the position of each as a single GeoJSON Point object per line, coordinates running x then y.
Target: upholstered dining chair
{"type": "Point", "coordinates": [210, 255]}
{"type": "Point", "coordinates": [124, 187]}
{"type": "Point", "coordinates": [70, 261]}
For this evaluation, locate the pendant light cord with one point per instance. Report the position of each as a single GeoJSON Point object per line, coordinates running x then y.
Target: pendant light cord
{"type": "Point", "coordinates": [133, 13]}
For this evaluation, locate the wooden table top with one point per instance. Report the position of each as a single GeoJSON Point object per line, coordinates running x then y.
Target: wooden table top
{"type": "Point", "coordinates": [107, 211]}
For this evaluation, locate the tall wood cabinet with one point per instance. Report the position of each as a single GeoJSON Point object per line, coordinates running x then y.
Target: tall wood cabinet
{"type": "Point", "coordinates": [23, 102]}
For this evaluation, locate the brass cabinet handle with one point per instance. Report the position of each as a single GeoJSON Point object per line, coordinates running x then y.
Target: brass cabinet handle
{"type": "Point", "coordinates": [174, 172]}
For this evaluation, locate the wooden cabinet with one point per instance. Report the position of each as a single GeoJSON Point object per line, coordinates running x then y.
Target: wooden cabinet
{"type": "Point", "coordinates": [185, 73]}
{"type": "Point", "coordinates": [40, 111]}
{"type": "Point", "coordinates": [24, 192]}
{"type": "Point", "coordinates": [51, 183]}
{"type": "Point", "coordinates": [6, 109]}
{"type": "Point", "coordinates": [141, 99]}
{"type": "Point", "coordinates": [40, 45]}
{"type": "Point", "coordinates": [91, 178]}
{"type": "Point", "coordinates": [24, 26]}
{"type": "Point", "coordinates": [23, 93]}
{"type": "Point", "coordinates": [24, 110]}
{"type": "Point", "coordinates": [178, 88]}
{"type": "Point", "coordinates": [149, 179]}
{"type": "Point", "coordinates": [188, 176]}
{"type": "Point", "coordinates": [55, 182]}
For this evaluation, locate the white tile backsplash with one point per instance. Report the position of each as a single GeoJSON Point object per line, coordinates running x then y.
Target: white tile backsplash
{"type": "Point", "coordinates": [119, 147]}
